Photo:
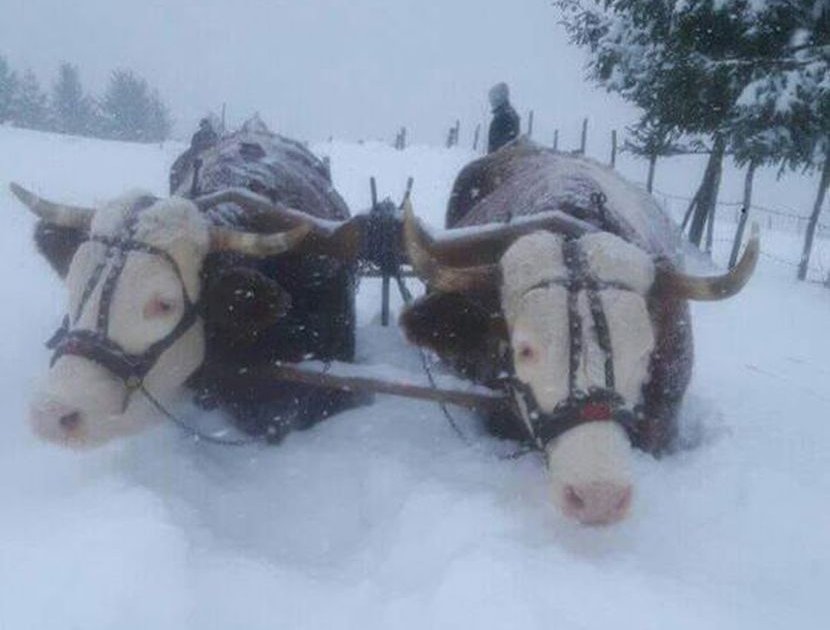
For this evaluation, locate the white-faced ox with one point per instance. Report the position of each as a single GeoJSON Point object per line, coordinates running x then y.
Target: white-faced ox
{"type": "Point", "coordinates": [164, 293]}
{"type": "Point", "coordinates": [560, 282]}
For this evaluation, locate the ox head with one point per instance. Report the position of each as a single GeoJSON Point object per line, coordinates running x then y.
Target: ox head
{"type": "Point", "coordinates": [133, 272]}
{"type": "Point", "coordinates": [578, 355]}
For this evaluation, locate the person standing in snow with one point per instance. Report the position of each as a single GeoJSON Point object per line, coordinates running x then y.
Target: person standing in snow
{"type": "Point", "coordinates": [204, 138]}
{"type": "Point", "coordinates": [505, 124]}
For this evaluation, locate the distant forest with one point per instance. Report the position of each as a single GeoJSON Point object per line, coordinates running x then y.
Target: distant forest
{"type": "Point", "coordinates": [129, 109]}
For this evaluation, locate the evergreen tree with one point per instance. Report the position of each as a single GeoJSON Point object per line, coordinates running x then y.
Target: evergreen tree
{"type": "Point", "coordinates": [652, 140]}
{"type": "Point", "coordinates": [30, 107]}
{"type": "Point", "coordinates": [132, 112]}
{"type": "Point", "coordinates": [71, 111]}
{"type": "Point", "coordinates": [8, 90]}
{"type": "Point", "coordinates": [126, 106]}
{"type": "Point", "coordinates": [688, 64]}
{"type": "Point", "coordinates": [160, 123]}
{"type": "Point", "coordinates": [783, 115]}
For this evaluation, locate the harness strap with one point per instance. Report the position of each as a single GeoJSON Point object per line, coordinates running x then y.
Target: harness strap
{"type": "Point", "coordinates": [580, 407]}
{"type": "Point", "coordinates": [96, 345]}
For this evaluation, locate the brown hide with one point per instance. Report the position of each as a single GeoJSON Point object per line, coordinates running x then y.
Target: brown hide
{"type": "Point", "coordinates": [517, 181]}
{"type": "Point", "coordinates": [319, 320]}
{"type": "Point", "coordinates": [256, 311]}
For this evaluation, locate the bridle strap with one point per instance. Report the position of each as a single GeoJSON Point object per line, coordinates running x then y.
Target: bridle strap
{"type": "Point", "coordinates": [580, 407]}
{"type": "Point", "coordinates": [96, 345]}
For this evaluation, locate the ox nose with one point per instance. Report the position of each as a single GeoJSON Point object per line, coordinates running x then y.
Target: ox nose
{"type": "Point", "coordinates": [597, 503]}
{"type": "Point", "coordinates": [55, 419]}
{"type": "Point", "coordinates": [70, 421]}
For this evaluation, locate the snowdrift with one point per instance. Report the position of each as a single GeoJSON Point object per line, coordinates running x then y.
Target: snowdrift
{"type": "Point", "coordinates": [382, 517]}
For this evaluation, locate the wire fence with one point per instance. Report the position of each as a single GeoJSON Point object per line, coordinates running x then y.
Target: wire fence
{"type": "Point", "coordinates": [772, 218]}
{"type": "Point", "coordinates": [789, 223]}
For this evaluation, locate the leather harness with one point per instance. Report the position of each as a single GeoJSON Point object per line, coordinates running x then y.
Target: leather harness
{"type": "Point", "coordinates": [96, 345]}
{"type": "Point", "coordinates": [580, 406]}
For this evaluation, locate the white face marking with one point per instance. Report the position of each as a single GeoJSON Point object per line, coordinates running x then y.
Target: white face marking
{"type": "Point", "coordinates": [81, 403]}
{"type": "Point", "coordinates": [593, 455]}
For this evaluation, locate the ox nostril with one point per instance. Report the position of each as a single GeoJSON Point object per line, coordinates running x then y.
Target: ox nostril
{"type": "Point", "coordinates": [70, 421]}
{"type": "Point", "coordinates": [572, 499]}
{"type": "Point", "coordinates": [598, 503]}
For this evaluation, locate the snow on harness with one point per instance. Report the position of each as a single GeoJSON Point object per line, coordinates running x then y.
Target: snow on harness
{"type": "Point", "coordinates": [96, 345]}
{"type": "Point", "coordinates": [582, 405]}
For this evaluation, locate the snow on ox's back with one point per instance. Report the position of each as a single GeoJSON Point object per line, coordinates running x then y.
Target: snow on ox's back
{"type": "Point", "coordinates": [382, 518]}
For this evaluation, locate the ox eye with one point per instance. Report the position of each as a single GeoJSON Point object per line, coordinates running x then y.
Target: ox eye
{"type": "Point", "coordinates": [159, 307]}
{"type": "Point", "coordinates": [525, 352]}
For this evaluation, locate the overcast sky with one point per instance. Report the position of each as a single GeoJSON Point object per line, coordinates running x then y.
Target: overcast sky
{"type": "Point", "coordinates": [314, 68]}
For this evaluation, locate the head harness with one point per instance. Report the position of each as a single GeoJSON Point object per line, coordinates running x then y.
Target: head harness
{"type": "Point", "coordinates": [580, 406]}
{"type": "Point", "coordinates": [96, 345]}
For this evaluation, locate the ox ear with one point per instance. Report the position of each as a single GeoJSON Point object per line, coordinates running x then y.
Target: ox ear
{"type": "Point", "coordinates": [244, 300]}
{"type": "Point", "coordinates": [58, 244]}
{"type": "Point", "coordinates": [453, 325]}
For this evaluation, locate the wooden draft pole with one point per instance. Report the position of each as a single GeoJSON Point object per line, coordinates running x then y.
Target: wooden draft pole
{"type": "Point", "coordinates": [353, 380]}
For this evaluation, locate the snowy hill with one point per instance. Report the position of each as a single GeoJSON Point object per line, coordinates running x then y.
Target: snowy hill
{"type": "Point", "coordinates": [382, 517]}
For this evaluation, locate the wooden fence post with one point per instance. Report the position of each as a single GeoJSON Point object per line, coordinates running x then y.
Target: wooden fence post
{"type": "Point", "coordinates": [652, 166]}
{"type": "Point", "coordinates": [613, 148]}
{"type": "Point", "coordinates": [556, 140]}
{"type": "Point", "coordinates": [475, 137]}
{"type": "Point", "coordinates": [530, 124]}
{"type": "Point", "coordinates": [584, 140]}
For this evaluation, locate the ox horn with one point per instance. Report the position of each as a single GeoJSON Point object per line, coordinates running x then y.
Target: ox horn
{"type": "Point", "coordinates": [261, 245]}
{"type": "Point", "coordinates": [467, 258]}
{"type": "Point", "coordinates": [714, 288]}
{"type": "Point", "coordinates": [420, 246]}
{"type": "Point", "coordinates": [59, 214]}
{"type": "Point", "coordinates": [341, 239]}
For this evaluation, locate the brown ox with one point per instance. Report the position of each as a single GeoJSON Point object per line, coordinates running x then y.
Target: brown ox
{"type": "Point", "coordinates": [198, 292]}
{"type": "Point", "coordinates": [566, 279]}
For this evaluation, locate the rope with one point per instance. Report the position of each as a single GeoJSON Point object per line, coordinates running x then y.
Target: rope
{"type": "Point", "coordinates": [197, 435]}
{"type": "Point", "coordinates": [516, 454]}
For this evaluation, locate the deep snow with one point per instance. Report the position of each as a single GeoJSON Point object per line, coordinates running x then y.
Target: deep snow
{"type": "Point", "coordinates": [382, 517]}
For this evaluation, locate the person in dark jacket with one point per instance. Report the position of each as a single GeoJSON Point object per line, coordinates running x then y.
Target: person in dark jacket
{"type": "Point", "coordinates": [505, 124]}
{"type": "Point", "coordinates": [204, 138]}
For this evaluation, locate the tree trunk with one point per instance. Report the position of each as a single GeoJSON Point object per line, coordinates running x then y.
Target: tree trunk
{"type": "Point", "coordinates": [689, 210]}
{"type": "Point", "coordinates": [813, 223]}
{"type": "Point", "coordinates": [707, 196]}
{"type": "Point", "coordinates": [652, 164]}
{"type": "Point", "coordinates": [747, 204]}
{"type": "Point", "coordinates": [710, 229]}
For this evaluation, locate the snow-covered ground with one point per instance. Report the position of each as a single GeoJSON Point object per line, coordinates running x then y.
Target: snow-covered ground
{"type": "Point", "coordinates": [382, 517]}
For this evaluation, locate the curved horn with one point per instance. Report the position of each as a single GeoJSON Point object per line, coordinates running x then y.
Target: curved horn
{"type": "Point", "coordinates": [261, 245]}
{"type": "Point", "coordinates": [249, 200]}
{"type": "Point", "coordinates": [420, 246]}
{"type": "Point", "coordinates": [714, 287]}
{"type": "Point", "coordinates": [55, 213]}
{"type": "Point", "coordinates": [484, 244]}
{"type": "Point", "coordinates": [340, 239]}
{"type": "Point", "coordinates": [466, 258]}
